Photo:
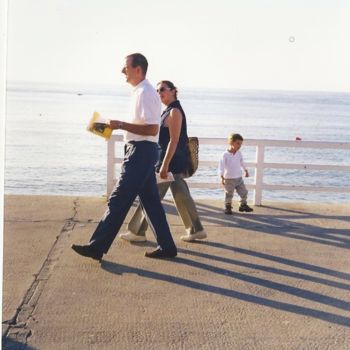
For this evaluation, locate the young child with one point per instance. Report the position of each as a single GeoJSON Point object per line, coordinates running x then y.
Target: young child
{"type": "Point", "coordinates": [230, 171]}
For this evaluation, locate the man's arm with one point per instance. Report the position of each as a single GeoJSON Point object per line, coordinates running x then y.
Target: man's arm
{"type": "Point", "coordinates": [139, 129]}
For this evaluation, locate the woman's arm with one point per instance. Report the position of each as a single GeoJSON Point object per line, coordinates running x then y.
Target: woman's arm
{"type": "Point", "coordinates": [173, 122]}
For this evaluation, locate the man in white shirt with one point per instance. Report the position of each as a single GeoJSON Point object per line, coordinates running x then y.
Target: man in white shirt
{"type": "Point", "coordinates": [137, 176]}
{"type": "Point", "coordinates": [230, 170]}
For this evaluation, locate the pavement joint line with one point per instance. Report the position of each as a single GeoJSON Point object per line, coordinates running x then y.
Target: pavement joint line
{"type": "Point", "coordinates": [15, 327]}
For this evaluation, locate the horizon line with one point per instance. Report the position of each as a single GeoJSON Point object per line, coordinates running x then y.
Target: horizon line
{"type": "Point", "coordinates": [77, 85]}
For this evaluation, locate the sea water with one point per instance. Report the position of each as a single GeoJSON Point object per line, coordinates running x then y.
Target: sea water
{"type": "Point", "coordinates": [49, 151]}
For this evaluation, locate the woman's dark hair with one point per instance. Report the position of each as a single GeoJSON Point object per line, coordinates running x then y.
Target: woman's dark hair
{"type": "Point", "coordinates": [139, 60]}
{"type": "Point", "coordinates": [170, 85]}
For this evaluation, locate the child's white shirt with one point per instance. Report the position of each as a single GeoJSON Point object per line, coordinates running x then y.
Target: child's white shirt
{"type": "Point", "coordinates": [231, 165]}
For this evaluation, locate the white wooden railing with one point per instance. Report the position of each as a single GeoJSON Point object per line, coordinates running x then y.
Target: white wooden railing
{"type": "Point", "coordinates": [258, 186]}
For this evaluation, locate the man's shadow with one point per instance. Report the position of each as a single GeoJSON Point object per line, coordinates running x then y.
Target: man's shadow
{"type": "Point", "coordinates": [270, 269]}
{"type": "Point", "coordinates": [120, 269]}
{"type": "Point", "coordinates": [11, 344]}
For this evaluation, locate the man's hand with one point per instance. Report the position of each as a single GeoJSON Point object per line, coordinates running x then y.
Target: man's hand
{"type": "Point", "coordinates": [115, 124]}
{"type": "Point", "coordinates": [246, 174]}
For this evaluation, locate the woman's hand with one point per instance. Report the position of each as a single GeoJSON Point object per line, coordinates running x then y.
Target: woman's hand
{"type": "Point", "coordinates": [163, 171]}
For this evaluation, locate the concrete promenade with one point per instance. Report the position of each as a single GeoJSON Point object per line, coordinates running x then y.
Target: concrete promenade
{"type": "Point", "coordinates": [277, 278]}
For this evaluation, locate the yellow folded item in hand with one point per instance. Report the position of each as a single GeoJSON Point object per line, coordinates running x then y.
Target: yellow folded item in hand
{"type": "Point", "coordinates": [98, 126]}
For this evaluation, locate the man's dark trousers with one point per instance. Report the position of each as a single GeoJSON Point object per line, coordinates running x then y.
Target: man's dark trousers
{"type": "Point", "coordinates": [137, 178]}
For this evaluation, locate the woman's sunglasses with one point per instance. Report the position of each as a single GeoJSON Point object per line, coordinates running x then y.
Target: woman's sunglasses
{"type": "Point", "coordinates": [162, 89]}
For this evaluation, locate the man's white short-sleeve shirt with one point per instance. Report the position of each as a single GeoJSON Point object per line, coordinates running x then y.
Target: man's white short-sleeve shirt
{"type": "Point", "coordinates": [145, 108]}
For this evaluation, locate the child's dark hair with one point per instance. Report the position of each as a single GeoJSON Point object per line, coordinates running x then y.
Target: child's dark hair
{"type": "Point", "coordinates": [235, 137]}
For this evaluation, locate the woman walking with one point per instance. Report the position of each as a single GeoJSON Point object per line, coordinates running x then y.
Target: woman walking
{"type": "Point", "coordinates": [174, 157]}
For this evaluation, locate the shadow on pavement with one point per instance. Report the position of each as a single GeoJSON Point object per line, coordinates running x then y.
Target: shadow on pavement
{"type": "Point", "coordinates": [119, 269]}
{"type": "Point", "coordinates": [10, 344]}
{"type": "Point", "coordinates": [278, 222]}
{"type": "Point", "coordinates": [280, 260]}
{"type": "Point", "coordinates": [270, 269]}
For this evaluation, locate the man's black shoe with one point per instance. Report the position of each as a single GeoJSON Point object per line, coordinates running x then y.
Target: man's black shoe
{"type": "Point", "coordinates": [88, 251]}
{"type": "Point", "coordinates": [158, 253]}
{"type": "Point", "coordinates": [245, 208]}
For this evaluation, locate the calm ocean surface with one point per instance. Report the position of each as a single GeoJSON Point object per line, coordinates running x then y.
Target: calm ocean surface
{"type": "Point", "coordinates": [49, 151]}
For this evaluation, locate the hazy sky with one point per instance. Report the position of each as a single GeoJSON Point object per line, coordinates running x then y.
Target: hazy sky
{"type": "Point", "coordinates": [281, 44]}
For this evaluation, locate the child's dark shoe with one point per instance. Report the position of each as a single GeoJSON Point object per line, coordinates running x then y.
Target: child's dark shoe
{"type": "Point", "coordinates": [228, 209]}
{"type": "Point", "coordinates": [245, 208]}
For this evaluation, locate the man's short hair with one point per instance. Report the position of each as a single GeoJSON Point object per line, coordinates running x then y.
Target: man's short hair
{"type": "Point", "coordinates": [139, 60]}
{"type": "Point", "coordinates": [235, 137]}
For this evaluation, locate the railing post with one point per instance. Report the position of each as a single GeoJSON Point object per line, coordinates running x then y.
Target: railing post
{"type": "Point", "coordinates": [110, 165]}
{"type": "Point", "coordinates": [259, 173]}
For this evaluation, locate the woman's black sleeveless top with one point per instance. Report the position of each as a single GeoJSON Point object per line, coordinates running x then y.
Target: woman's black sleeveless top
{"type": "Point", "coordinates": [179, 162]}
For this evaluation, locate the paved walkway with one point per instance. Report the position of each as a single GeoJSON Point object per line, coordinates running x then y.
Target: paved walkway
{"type": "Point", "coordinates": [278, 278]}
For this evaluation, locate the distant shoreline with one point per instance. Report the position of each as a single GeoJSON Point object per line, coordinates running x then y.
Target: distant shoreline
{"type": "Point", "coordinates": [101, 88]}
